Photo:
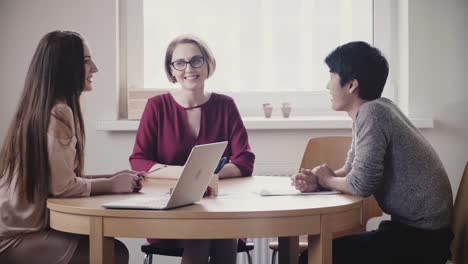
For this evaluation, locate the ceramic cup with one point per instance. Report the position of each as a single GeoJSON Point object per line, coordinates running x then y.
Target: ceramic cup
{"type": "Point", "coordinates": [267, 110]}
{"type": "Point", "coordinates": [286, 109]}
{"type": "Point", "coordinates": [214, 185]}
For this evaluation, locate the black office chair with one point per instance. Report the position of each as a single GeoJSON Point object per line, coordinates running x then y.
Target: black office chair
{"type": "Point", "coordinates": [152, 249]}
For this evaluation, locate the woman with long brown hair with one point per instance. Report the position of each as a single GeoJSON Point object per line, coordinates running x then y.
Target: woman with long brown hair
{"type": "Point", "coordinates": [42, 156]}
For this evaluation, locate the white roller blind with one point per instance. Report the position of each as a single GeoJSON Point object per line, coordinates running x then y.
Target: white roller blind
{"type": "Point", "coordinates": [259, 45]}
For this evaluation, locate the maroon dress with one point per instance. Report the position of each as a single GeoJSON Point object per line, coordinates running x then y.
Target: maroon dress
{"type": "Point", "coordinates": [164, 133]}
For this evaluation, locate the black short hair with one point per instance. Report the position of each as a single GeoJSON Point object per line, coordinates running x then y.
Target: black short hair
{"type": "Point", "coordinates": [363, 62]}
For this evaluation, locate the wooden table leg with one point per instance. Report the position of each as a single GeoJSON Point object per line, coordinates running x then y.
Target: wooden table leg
{"type": "Point", "coordinates": [320, 246]}
{"type": "Point", "coordinates": [288, 250]}
{"type": "Point", "coordinates": [101, 248]}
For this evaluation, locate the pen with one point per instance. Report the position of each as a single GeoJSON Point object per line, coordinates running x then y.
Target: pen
{"type": "Point", "coordinates": [221, 164]}
{"type": "Point", "coordinates": [144, 174]}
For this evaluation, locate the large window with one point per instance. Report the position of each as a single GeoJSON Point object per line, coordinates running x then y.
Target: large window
{"type": "Point", "coordinates": [266, 50]}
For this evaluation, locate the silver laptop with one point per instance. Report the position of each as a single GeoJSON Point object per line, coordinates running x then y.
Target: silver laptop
{"type": "Point", "coordinates": [191, 185]}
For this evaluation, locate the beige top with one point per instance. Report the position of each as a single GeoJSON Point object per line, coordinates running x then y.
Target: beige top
{"type": "Point", "coordinates": [17, 216]}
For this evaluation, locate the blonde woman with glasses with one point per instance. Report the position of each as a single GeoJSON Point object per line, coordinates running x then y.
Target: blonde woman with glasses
{"type": "Point", "coordinates": [174, 122]}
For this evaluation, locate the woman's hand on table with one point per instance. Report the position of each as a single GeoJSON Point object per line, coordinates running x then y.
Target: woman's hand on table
{"type": "Point", "coordinates": [126, 181]}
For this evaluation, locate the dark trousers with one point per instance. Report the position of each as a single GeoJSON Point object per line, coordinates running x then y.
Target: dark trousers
{"type": "Point", "coordinates": [392, 243]}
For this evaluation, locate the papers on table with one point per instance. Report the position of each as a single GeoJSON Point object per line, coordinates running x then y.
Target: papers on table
{"type": "Point", "coordinates": [292, 191]}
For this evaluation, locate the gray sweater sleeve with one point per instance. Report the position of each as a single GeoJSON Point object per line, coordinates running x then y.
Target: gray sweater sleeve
{"type": "Point", "coordinates": [371, 137]}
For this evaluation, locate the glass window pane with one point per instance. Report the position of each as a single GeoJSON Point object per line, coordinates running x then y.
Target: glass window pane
{"type": "Point", "coordinates": [259, 45]}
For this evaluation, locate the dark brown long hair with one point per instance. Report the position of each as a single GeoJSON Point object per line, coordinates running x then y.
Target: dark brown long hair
{"type": "Point", "coordinates": [56, 73]}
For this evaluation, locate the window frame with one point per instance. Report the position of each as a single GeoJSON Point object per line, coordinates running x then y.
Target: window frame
{"type": "Point", "coordinates": [305, 104]}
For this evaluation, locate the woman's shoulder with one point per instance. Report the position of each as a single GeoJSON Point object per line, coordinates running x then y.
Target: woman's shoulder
{"type": "Point", "coordinates": [161, 102]}
{"type": "Point", "coordinates": [61, 123]}
{"type": "Point", "coordinates": [157, 99]}
{"type": "Point", "coordinates": [62, 109]}
{"type": "Point", "coordinates": [222, 99]}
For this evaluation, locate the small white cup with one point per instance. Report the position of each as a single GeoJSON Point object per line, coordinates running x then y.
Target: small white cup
{"type": "Point", "coordinates": [214, 185]}
{"type": "Point", "coordinates": [286, 109]}
{"type": "Point", "coordinates": [267, 110]}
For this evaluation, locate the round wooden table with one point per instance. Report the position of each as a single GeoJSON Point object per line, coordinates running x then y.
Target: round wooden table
{"type": "Point", "coordinates": [238, 211]}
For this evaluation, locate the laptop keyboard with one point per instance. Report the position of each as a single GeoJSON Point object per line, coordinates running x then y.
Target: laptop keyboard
{"type": "Point", "coordinates": [143, 203]}
{"type": "Point", "coordinates": [156, 203]}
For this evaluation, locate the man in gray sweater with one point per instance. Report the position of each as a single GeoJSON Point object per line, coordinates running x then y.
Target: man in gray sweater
{"type": "Point", "coordinates": [390, 159]}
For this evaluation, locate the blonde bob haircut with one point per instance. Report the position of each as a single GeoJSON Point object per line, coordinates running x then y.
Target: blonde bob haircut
{"type": "Point", "coordinates": [188, 39]}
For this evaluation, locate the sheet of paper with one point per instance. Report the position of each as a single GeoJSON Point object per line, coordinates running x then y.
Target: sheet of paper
{"type": "Point", "coordinates": [291, 191]}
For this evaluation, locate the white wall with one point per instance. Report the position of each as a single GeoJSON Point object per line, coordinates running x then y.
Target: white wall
{"type": "Point", "coordinates": [438, 63]}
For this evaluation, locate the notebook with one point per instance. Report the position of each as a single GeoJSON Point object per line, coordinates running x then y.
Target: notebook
{"type": "Point", "coordinates": [190, 187]}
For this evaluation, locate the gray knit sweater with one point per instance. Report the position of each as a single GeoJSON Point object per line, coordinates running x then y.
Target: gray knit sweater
{"type": "Point", "coordinates": [391, 159]}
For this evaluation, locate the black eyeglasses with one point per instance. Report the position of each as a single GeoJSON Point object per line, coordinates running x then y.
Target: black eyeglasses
{"type": "Point", "coordinates": [195, 62]}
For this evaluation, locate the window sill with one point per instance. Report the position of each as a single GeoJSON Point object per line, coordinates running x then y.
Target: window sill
{"type": "Point", "coordinates": [274, 123]}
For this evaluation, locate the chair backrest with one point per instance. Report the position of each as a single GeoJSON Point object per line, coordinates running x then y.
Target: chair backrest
{"type": "Point", "coordinates": [460, 222]}
{"type": "Point", "coordinates": [333, 151]}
